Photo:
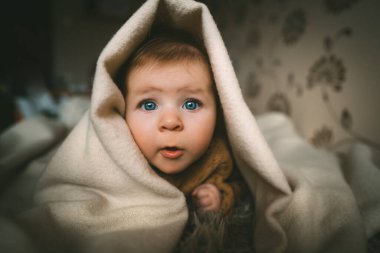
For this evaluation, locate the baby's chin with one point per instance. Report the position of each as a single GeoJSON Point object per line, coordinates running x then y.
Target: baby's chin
{"type": "Point", "coordinates": [169, 170]}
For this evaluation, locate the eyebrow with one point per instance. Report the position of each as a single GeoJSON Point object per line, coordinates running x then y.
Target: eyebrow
{"type": "Point", "coordinates": [147, 89]}
{"type": "Point", "coordinates": [194, 90]}
{"type": "Point", "coordinates": [144, 90]}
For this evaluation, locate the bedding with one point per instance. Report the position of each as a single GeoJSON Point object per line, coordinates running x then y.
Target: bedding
{"type": "Point", "coordinates": [99, 194]}
{"type": "Point", "coordinates": [234, 234]}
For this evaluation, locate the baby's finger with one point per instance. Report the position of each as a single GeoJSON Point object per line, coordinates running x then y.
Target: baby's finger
{"type": "Point", "coordinates": [201, 187]}
{"type": "Point", "coordinates": [203, 202]}
{"type": "Point", "coordinates": [203, 193]}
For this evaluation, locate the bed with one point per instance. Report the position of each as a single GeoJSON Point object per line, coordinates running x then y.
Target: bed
{"type": "Point", "coordinates": [26, 159]}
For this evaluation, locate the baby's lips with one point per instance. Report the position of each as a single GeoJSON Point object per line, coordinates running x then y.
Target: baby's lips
{"type": "Point", "coordinates": [171, 152]}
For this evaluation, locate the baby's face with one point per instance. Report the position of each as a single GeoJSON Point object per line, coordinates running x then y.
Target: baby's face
{"type": "Point", "coordinates": [171, 112]}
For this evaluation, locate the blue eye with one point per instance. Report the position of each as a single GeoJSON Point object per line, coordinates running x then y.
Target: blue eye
{"type": "Point", "coordinates": [191, 105]}
{"type": "Point", "coordinates": [148, 106]}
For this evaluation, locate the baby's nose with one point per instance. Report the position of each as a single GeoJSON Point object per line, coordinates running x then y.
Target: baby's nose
{"type": "Point", "coordinates": [171, 121]}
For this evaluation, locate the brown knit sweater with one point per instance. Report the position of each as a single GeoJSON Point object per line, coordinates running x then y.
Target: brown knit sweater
{"type": "Point", "coordinates": [215, 167]}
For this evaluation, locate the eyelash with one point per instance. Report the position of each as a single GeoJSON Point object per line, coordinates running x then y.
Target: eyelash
{"type": "Point", "coordinates": [194, 100]}
{"type": "Point", "coordinates": [144, 102]}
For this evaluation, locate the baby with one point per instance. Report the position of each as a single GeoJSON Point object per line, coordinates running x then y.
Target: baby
{"type": "Point", "coordinates": [173, 114]}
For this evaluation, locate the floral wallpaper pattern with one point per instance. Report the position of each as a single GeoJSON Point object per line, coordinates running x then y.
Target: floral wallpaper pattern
{"type": "Point", "coordinates": [279, 102]}
{"type": "Point", "coordinates": [337, 6]}
{"type": "Point", "coordinates": [302, 58]}
{"type": "Point", "coordinates": [327, 70]}
{"type": "Point", "coordinates": [294, 26]}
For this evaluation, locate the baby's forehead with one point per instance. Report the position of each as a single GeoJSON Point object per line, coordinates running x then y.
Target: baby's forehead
{"type": "Point", "coordinates": [190, 76]}
{"type": "Point", "coordinates": [148, 63]}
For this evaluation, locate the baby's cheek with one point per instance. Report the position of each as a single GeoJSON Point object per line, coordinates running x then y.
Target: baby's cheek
{"type": "Point", "coordinates": [142, 135]}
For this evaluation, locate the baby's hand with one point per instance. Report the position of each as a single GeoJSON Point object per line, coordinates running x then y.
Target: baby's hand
{"type": "Point", "coordinates": [207, 197]}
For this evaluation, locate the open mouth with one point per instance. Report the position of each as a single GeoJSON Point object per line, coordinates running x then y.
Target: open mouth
{"type": "Point", "coordinates": [171, 148]}
{"type": "Point", "coordinates": [171, 152]}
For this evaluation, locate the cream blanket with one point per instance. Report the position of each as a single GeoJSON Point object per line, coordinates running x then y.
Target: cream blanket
{"type": "Point", "coordinates": [98, 193]}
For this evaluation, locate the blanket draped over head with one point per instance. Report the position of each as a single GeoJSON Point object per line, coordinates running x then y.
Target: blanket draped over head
{"type": "Point", "coordinates": [99, 193]}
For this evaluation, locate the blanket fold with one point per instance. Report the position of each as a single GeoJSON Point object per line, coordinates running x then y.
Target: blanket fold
{"type": "Point", "coordinates": [18, 146]}
{"type": "Point", "coordinates": [100, 190]}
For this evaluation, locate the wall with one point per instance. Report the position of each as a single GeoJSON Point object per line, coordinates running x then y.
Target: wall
{"type": "Point", "coordinates": [318, 61]}
{"type": "Point", "coordinates": [25, 53]}
{"type": "Point", "coordinates": [80, 33]}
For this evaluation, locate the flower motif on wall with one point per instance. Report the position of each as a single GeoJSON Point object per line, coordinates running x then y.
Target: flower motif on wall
{"type": "Point", "coordinates": [346, 119]}
{"type": "Point", "coordinates": [330, 42]}
{"type": "Point", "coordinates": [253, 38]}
{"type": "Point", "coordinates": [337, 6]}
{"type": "Point", "coordinates": [322, 137]}
{"type": "Point", "coordinates": [329, 71]}
{"type": "Point", "coordinates": [294, 26]}
{"type": "Point", "coordinates": [240, 12]}
{"type": "Point", "coordinates": [252, 87]}
{"type": "Point", "coordinates": [293, 84]}
{"type": "Point", "coordinates": [278, 102]}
